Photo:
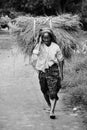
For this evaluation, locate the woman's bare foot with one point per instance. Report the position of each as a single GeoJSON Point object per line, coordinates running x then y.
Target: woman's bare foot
{"type": "Point", "coordinates": [47, 109]}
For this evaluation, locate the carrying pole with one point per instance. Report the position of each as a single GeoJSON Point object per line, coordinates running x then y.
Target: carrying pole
{"type": "Point", "coordinates": [50, 23]}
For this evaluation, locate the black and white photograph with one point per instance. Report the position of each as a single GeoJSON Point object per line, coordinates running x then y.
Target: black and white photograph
{"type": "Point", "coordinates": [43, 64]}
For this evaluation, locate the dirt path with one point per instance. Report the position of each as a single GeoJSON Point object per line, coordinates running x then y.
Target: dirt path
{"type": "Point", "coordinates": [21, 102]}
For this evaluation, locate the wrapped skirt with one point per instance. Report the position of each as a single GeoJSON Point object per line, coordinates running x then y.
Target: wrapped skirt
{"type": "Point", "coordinates": [50, 82]}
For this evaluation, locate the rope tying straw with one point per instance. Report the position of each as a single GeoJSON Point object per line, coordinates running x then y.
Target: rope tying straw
{"type": "Point", "coordinates": [34, 27]}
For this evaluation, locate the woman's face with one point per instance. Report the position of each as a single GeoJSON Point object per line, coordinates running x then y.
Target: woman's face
{"type": "Point", "coordinates": [46, 38]}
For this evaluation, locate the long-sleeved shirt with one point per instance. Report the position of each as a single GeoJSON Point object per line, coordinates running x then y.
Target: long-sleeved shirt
{"type": "Point", "coordinates": [47, 55]}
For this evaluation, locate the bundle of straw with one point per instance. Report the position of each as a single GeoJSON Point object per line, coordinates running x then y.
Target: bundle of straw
{"type": "Point", "coordinates": [63, 26]}
{"type": "Point", "coordinates": [67, 22]}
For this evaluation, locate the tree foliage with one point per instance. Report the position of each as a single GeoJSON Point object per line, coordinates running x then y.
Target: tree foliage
{"type": "Point", "coordinates": [46, 7]}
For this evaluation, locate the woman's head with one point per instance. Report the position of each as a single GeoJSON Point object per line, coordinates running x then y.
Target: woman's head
{"type": "Point", "coordinates": [47, 36]}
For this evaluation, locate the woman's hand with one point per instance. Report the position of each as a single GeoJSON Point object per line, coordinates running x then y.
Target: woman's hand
{"type": "Point", "coordinates": [36, 51]}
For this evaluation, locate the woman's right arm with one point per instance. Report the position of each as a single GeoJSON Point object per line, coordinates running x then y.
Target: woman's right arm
{"type": "Point", "coordinates": [37, 47]}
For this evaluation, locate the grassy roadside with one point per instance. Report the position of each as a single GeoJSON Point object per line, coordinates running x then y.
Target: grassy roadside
{"type": "Point", "coordinates": [75, 85]}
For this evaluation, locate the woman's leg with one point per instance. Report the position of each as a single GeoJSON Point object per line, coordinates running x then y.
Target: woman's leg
{"type": "Point", "coordinates": [44, 88]}
{"type": "Point", "coordinates": [53, 105]}
{"type": "Point", "coordinates": [46, 96]}
{"type": "Point", "coordinates": [54, 87]}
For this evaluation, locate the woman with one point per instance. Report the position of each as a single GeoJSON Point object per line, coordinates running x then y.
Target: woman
{"type": "Point", "coordinates": [50, 67]}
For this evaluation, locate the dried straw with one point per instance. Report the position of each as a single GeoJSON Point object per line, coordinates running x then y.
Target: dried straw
{"type": "Point", "coordinates": [63, 26]}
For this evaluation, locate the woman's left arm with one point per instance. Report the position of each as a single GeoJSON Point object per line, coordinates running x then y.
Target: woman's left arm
{"type": "Point", "coordinates": [61, 63]}
{"type": "Point", "coordinates": [60, 60]}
